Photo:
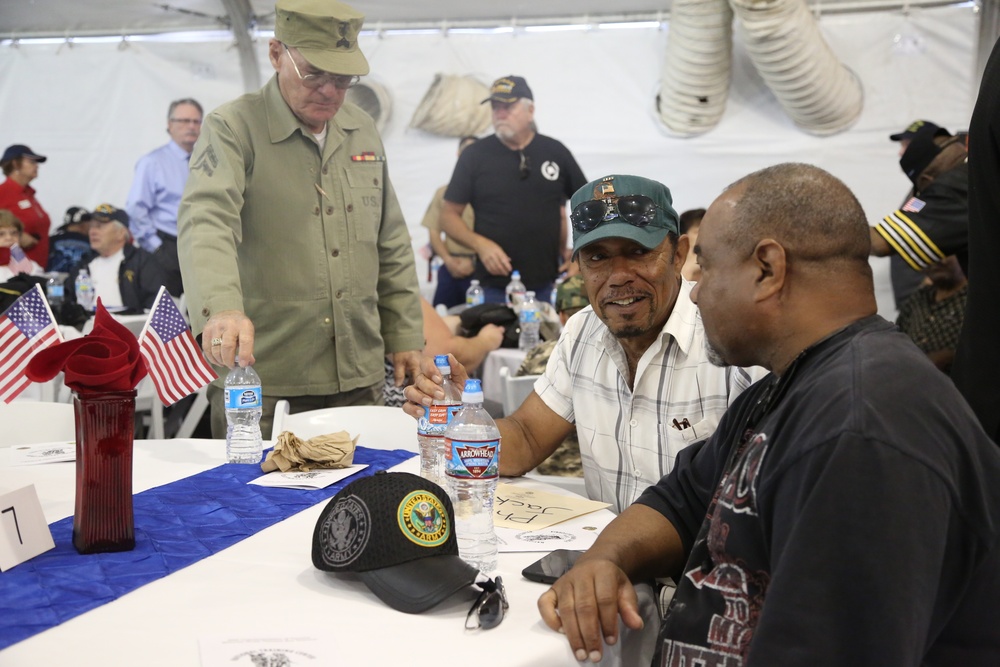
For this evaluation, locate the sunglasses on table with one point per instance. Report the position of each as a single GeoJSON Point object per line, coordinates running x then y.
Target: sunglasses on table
{"type": "Point", "coordinates": [488, 609]}
{"type": "Point", "coordinates": [637, 210]}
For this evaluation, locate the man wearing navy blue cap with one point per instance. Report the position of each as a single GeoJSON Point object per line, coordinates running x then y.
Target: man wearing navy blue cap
{"type": "Point", "coordinates": [125, 277]}
{"type": "Point", "coordinates": [518, 182]}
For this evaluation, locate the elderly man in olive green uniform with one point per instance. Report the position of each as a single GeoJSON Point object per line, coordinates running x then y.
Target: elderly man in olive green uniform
{"type": "Point", "coordinates": [293, 247]}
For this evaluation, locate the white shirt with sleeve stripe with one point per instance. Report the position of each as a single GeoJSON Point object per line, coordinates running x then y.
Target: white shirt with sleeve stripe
{"type": "Point", "coordinates": [629, 438]}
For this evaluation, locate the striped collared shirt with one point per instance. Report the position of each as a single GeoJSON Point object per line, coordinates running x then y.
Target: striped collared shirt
{"type": "Point", "coordinates": [629, 438]}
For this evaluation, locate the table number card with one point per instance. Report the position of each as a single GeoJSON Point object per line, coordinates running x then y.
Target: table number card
{"type": "Point", "coordinates": [23, 531]}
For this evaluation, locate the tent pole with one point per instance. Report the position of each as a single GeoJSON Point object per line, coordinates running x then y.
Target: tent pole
{"type": "Point", "coordinates": [241, 21]}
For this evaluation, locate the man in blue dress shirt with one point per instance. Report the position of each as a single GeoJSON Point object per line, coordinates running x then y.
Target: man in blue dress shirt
{"type": "Point", "coordinates": [159, 183]}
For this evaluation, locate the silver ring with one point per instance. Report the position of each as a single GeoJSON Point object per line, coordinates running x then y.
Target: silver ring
{"type": "Point", "coordinates": [216, 342]}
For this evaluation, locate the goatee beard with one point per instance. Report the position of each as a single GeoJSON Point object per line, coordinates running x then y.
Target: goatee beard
{"type": "Point", "coordinates": [714, 357]}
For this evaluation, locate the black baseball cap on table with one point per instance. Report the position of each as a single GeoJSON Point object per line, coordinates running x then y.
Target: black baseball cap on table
{"type": "Point", "coordinates": [396, 531]}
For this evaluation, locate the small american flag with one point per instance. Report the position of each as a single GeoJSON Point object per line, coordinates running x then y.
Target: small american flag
{"type": "Point", "coordinates": [19, 262]}
{"type": "Point", "coordinates": [914, 205]}
{"type": "Point", "coordinates": [173, 358]}
{"type": "Point", "coordinates": [25, 328]}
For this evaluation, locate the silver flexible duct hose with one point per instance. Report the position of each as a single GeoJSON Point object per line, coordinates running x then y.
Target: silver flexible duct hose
{"type": "Point", "coordinates": [821, 95]}
{"type": "Point", "coordinates": [695, 82]}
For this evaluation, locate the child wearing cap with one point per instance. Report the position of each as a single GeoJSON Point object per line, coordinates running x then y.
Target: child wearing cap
{"type": "Point", "coordinates": [13, 262]}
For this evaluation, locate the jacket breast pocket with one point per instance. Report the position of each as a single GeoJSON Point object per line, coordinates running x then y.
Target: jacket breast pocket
{"type": "Point", "coordinates": [364, 200]}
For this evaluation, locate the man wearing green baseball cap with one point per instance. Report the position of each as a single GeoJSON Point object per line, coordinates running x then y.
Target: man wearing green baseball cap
{"type": "Point", "coordinates": [631, 372]}
{"type": "Point", "coordinates": [290, 232]}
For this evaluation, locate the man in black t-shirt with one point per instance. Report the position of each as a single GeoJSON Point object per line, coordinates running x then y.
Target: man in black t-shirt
{"type": "Point", "coordinates": [846, 510]}
{"type": "Point", "coordinates": [933, 220]}
{"type": "Point", "coordinates": [518, 182]}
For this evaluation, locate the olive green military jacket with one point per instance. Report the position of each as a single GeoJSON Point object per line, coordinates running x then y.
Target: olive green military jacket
{"type": "Point", "coordinates": [312, 247]}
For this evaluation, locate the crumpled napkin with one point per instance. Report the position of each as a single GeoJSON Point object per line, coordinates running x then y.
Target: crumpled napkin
{"type": "Point", "coordinates": [106, 359]}
{"type": "Point", "coordinates": [293, 454]}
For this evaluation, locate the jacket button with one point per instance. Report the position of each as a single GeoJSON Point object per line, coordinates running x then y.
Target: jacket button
{"type": "Point", "coordinates": [375, 181]}
{"type": "Point", "coordinates": [350, 208]}
{"type": "Point", "coordinates": [335, 252]}
{"type": "Point", "coordinates": [340, 293]}
{"type": "Point", "coordinates": [205, 312]}
{"type": "Point", "coordinates": [329, 210]}
{"type": "Point", "coordinates": [316, 211]}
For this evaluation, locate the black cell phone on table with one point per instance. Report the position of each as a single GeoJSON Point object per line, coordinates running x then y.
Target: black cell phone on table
{"type": "Point", "coordinates": [551, 566]}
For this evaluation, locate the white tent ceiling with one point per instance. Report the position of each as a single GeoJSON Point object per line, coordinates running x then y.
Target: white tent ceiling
{"type": "Point", "coordinates": [94, 107]}
{"type": "Point", "coordinates": [21, 19]}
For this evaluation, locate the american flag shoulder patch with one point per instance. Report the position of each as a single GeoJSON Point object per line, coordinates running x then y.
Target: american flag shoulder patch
{"type": "Point", "coordinates": [914, 205]}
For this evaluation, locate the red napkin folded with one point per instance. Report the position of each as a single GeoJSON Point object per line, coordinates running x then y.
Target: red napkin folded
{"type": "Point", "coordinates": [106, 359]}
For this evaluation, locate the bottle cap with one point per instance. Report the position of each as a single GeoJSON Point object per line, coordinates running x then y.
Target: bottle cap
{"type": "Point", "coordinates": [442, 363]}
{"type": "Point", "coordinates": [473, 391]}
{"type": "Point", "coordinates": [515, 275]}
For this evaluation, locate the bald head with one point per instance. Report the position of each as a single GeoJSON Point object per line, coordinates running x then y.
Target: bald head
{"type": "Point", "coordinates": [784, 260]}
{"type": "Point", "coordinates": [812, 214]}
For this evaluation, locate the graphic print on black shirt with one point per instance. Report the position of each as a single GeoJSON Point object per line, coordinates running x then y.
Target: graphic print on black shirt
{"type": "Point", "coordinates": [739, 586]}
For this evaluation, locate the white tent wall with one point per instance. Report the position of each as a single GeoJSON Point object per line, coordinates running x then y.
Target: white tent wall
{"type": "Point", "coordinates": [95, 108]}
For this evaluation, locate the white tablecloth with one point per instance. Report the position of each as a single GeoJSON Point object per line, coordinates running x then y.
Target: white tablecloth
{"type": "Point", "coordinates": [266, 586]}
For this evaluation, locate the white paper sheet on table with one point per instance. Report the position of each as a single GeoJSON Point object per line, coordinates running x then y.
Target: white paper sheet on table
{"type": "Point", "coordinates": [314, 479]}
{"type": "Point", "coordinates": [579, 533]}
{"type": "Point", "coordinates": [46, 452]}
{"type": "Point", "coordinates": [525, 508]}
{"type": "Point", "coordinates": [276, 651]}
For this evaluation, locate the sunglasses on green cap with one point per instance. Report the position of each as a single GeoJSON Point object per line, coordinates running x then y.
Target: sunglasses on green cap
{"type": "Point", "coordinates": [637, 210]}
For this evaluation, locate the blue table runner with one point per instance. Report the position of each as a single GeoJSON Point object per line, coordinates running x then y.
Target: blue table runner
{"type": "Point", "coordinates": [176, 524]}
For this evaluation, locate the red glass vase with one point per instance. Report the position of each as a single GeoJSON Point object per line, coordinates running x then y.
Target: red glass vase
{"type": "Point", "coordinates": [105, 425]}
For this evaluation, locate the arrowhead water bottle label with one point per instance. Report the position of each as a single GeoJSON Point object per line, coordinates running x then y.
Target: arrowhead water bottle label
{"type": "Point", "coordinates": [528, 316]}
{"type": "Point", "coordinates": [474, 459]}
{"type": "Point", "coordinates": [242, 398]}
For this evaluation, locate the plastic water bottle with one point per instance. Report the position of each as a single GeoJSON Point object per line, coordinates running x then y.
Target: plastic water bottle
{"type": "Point", "coordinates": [84, 288]}
{"type": "Point", "coordinates": [243, 401]}
{"type": "Point", "coordinates": [55, 290]}
{"type": "Point", "coordinates": [472, 469]}
{"type": "Point", "coordinates": [474, 296]}
{"type": "Point", "coordinates": [432, 426]}
{"type": "Point", "coordinates": [515, 291]}
{"type": "Point", "coordinates": [531, 322]}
